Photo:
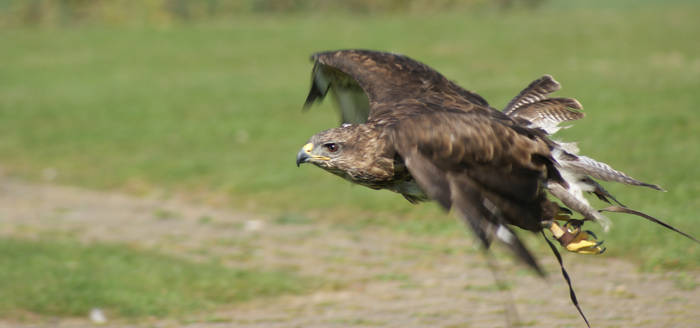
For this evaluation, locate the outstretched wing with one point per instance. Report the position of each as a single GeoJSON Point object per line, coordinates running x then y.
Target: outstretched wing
{"type": "Point", "coordinates": [488, 172]}
{"type": "Point", "coordinates": [367, 84]}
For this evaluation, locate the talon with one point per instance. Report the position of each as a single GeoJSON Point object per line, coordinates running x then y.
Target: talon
{"type": "Point", "coordinates": [592, 234]}
{"type": "Point", "coordinates": [576, 240]}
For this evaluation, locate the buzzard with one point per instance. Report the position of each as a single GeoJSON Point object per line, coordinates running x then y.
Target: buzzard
{"type": "Point", "coordinates": [408, 129]}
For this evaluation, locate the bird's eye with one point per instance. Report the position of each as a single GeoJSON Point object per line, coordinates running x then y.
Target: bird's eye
{"type": "Point", "coordinates": [331, 147]}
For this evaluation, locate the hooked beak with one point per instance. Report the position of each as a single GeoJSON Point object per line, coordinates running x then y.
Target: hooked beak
{"type": "Point", "coordinates": [304, 155]}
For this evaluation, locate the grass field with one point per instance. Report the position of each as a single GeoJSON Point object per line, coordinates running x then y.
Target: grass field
{"type": "Point", "coordinates": [213, 109]}
{"type": "Point", "coordinates": [67, 278]}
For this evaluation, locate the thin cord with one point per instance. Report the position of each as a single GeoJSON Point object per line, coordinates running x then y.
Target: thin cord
{"type": "Point", "coordinates": [572, 294]}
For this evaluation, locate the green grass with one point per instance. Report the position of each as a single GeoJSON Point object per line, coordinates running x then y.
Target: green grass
{"type": "Point", "coordinates": [69, 279]}
{"type": "Point", "coordinates": [215, 107]}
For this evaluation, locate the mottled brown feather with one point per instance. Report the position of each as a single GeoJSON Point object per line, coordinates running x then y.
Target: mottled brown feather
{"type": "Point", "coordinates": [388, 79]}
{"type": "Point", "coordinates": [502, 164]}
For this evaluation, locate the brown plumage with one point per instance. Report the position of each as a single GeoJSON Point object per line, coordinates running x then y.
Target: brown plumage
{"type": "Point", "coordinates": [408, 129]}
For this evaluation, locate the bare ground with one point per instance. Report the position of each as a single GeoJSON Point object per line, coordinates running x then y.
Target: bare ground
{"type": "Point", "coordinates": [373, 277]}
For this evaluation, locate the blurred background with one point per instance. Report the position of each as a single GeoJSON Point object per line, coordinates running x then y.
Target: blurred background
{"type": "Point", "coordinates": [147, 147]}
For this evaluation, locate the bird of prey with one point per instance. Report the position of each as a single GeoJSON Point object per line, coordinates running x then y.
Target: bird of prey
{"type": "Point", "coordinates": [408, 129]}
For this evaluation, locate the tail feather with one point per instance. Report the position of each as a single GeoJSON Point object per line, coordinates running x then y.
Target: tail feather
{"type": "Point", "coordinates": [603, 171]}
{"type": "Point", "coordinates": [549, 113]}
{"type": "Point", "coordinates": [534, 109]}
{"type": "Point", "coordinates": [578, 204]}
{"type": "Point", "coordinates": [536, 91]}
{"type": "Point", "coordinates": [556, 109]}
{"type": "Point", "coordinates": [600, 192]}
{"type": "Point", "coordinates": [622, 209]}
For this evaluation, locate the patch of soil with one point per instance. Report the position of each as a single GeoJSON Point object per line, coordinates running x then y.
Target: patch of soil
{"type": "Point", "coordinates": [372, 277]}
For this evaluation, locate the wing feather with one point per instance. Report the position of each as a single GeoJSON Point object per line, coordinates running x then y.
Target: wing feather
{"type": "Point", "coordinates": [353, 104]}
{"type": "Point", "coordinates": [457, 191]}
{"type": "Point", "coordinates": [430, 178]}
{"type": "Point", "coordinates": [486, 223]}
{"type": "Point", "coordinates": [366, 84]}
{"type": "Point", "coordinates": [487, 172]}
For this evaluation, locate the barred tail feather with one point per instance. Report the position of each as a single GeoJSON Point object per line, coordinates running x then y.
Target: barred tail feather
{"type": "Point", "coordinates": [532, 106]}
{"type": "Point", "coordinates": [536, 91]}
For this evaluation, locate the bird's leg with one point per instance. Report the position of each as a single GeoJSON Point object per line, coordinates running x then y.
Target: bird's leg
{"type": "Point", "coordinates": [571, 237]}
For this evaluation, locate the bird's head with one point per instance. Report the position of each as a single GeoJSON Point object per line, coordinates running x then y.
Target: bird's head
{"type": "Point", "coordinates": [356, 152]}
{"type": "Point", "coordinates": [328, 149]}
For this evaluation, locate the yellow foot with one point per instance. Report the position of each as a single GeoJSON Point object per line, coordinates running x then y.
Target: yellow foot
{"type": "Point", "coordinates": [575, 240]}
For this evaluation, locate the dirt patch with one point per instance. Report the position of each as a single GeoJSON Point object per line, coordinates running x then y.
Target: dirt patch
{"type": "Point", "coordinates": [373, 277]}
